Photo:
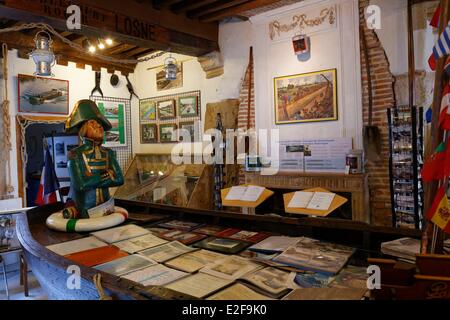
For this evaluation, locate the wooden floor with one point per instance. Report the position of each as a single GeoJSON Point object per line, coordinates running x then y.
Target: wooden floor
{"type": "Point", "coordinates": [16, 290]}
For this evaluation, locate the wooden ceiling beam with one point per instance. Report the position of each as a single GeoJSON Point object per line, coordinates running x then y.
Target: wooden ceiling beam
{"type": "Point", "coordinates": [136, 52]}
{"type": "Point", "coordinates": [159, 4]}
{"type": "Point", "coordinates": [189, 5]}
{"type": "Point", "coordinates": [236, 10]}
{"type": "Point", "coordinates": [25, 44]}
{"type": "Point", "coordinates": [217, 6]}
{"type": "Point", "coordinates": [139, 24]}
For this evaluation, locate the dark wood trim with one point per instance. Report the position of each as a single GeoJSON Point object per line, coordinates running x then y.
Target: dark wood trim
{"type": "Point", "coordinates": [215, 7]}
{"type": "Point", "coordinates": [236, 10]}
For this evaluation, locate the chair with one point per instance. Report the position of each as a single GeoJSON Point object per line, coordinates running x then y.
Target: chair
{"type": "Point", "coordinates": [4, 276]}
{"type": "Point", "coordinates": [24, 273]}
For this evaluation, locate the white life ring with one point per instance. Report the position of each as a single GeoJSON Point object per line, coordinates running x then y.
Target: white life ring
{"type": "Point", "coordinates": [56, 221]}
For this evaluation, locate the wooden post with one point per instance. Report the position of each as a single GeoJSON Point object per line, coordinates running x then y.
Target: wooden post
{"type": "Point", "coordinates": [436, 132]}
{"type": "Point", "coordinates": [411, 60]}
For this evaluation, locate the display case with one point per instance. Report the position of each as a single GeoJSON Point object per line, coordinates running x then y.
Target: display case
{"type": "Point", "coordinates": [406, 151]}
{"type": "Point", "coordinates": [154, 178]}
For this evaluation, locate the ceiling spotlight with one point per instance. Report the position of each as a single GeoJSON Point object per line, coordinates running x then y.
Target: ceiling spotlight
{"type": "Point", "coordinates": [92, 49]}
{"type": "Point", "coordinates": [101, 46]}
{"type": "Point", "coordinates": [109, 41]}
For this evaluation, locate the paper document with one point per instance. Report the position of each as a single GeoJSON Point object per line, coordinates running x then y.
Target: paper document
{"type": "Point", "coordinates": [300, 199]}
{"type": "Point", "coordinates": [321, 201]}
{"type": "Point", "coordinates": [250, 193]}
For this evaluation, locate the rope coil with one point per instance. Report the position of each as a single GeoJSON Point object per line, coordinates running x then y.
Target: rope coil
{"type": "Point", "coordinates": [98, 284]}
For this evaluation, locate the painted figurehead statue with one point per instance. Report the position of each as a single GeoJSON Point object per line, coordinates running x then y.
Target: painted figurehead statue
{"type": "Point", "coordinates": [93, 169]}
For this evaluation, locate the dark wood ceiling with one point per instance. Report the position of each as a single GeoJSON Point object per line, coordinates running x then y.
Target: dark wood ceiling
{"type": "Point", "coordinates": [185, 26]}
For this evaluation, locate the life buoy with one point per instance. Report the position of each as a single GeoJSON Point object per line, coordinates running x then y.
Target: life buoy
{"type": "Point", "coordinates": [56, 221]}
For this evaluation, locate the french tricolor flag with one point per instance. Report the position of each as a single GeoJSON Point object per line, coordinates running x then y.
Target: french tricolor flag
{"type": "Point", "coordinates": [49, 183]}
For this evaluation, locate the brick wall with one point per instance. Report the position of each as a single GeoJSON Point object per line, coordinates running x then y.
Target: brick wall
{"type": "Point", "coordinates": [383, 98]}
{"type": "Point", "coordinates": [243, 97]}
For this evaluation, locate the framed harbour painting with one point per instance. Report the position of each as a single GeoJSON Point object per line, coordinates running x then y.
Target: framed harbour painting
{"type": "Point", "coordinates": [167, 132]}
{"type": "Point", "coordinates": [188, 106]}
{"type": "Point", "coordinates": [307, 97]}
{"type": "Point", "coordinates": [166, 109]}
{"type": "Point", "coordinates": [42, 95]}
{"type": "Point", "coordinates": [115, 113]}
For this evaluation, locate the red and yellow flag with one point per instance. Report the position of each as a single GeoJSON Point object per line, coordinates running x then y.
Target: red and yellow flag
{"type": "Point", "coordinates": [439, 213]}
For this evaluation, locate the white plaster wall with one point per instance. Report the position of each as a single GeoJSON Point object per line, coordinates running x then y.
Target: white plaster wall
{"type": "Point", "coordinates": [394, 37]}
{"type": "Point", "coordinates": [81, 82]}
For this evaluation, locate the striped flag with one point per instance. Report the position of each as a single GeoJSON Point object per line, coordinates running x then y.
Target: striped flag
{"type": "Point", "coordinates": [442, 46]}
{"type": "Point", "coordinates": [439, 212]}
{"type": "Point", "coordinates": [444, 116]}
{"type": "Point", "coordinates": [436, 16]}
{"type": "Point", "coordinates": [49, 183]}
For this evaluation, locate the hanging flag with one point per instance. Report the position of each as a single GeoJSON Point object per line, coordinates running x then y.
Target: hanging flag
{"type": "Point", "coordinates": [444, 116]}
{"type": "Point", "coordinates": [432, 62]}
{"type": "Point", "coordinates": [442, 46]}
{"type": "Point", "coordinates": [429, 115]}
{"type": "Point", "coordinates": [435, 20]}
{"type": "Point", "coordinates": [49, 182]}
{"type": "Point", "coordinates": [439, 212]}
{"type": "Point", "coordinates": [433, 168]}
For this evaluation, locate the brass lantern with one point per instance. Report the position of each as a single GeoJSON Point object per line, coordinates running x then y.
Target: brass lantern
{"type": "Point", "coordinates": [171, 68]}
{"type": "Point", "coordinates": [43, 56]}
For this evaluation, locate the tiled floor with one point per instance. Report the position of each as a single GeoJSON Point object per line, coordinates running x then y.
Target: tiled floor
{"type": "Point", "coordinates": [16, 290]}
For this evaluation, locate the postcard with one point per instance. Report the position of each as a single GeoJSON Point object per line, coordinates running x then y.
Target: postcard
{"type": "Point", "coordinates": [243, 235]}
{"type": "Point", "coordinates": [182, 236]}
{"type": "Point", "coordinates": [231, 268]}
{"type": "Point", "coordinates": [312, 280]}
{"type": "Point", "coordinates": [271, 280]}
{"type": "Point", "coordinates": [326, 294]}
{"type": "Point", "coordinates": [222, 245]}
{"type": "Point", "coordinates": [199, 285]}
{"type": "Point", "coordinates": [238, 291]}
{"type": "Point", "coordinates": [120, 233]}
{"type": "Point", "coordinates": [194, 261]}
{"type": "Point", "coordinates": [275, 244]}
{"type": "Point", "coordinates": [166, 251]}
{"type": "Point", "coordinates": [182, 225]}
{"type": "Point", "coordinates": [210, 230]}
{"type": "Point", "coordinates": [78, 245]}
{"type": "Point", "coordinates": [156, 230]}
{"type": "Point", "coordinates": [351, 277]}
{"type": "Point", "coordinates": [125, 265]}
{"type": "Point", "coordinates": [156, 275]}
{"type": "Point", "coordinates": [134, 245]}
{"type": "Point", "coordinates": [96, 256]}
{"type": "Point", "coordinates": [315, 255]}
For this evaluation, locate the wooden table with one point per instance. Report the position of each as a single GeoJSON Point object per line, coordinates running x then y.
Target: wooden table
{"type": "Point", "coordinates": [355, 184]}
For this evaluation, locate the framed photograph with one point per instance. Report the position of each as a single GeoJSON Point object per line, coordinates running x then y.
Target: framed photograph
{"type": "Point", "coordinates": [42, 95]}
{"type": "Point", "coordinates": [163, 84]}
{"type": "Point", "coordinates": [149, 133]}
{"type": "Point", "coordinates": [166, 109]}
{"type": "Point", "coordinates": [190, 127]}
{"type": "Point", "coordinates": [147, 110]}
{"type": "Point", "coordinates": [115, 113]}
{"type": "Point", "coordinates": [188, 107]}
{"type": "Point", "coordinates": [167, 133]}
{"type": "Point", "coordinates": [307, 97]}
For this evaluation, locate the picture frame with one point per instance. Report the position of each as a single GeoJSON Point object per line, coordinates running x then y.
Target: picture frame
{"type": "Point", "coordinates": [306, 97]}
{"type": "Point", "coordinates": [115, 113]}
{"type": "Point", "coordinates": [188, 106]}
{"type": "Point", "coordinates": [42, 95]}
{"type": "Point", "coordinates": [166, 109]}
{"type": "Point", "coordinates": [190, 126]}
{"type": "Point", "coordinates": [147, 110]}
{"type": "Point", "coordinates": [167, 132]}
{"type": "Point", "coordinates": [149, 133]}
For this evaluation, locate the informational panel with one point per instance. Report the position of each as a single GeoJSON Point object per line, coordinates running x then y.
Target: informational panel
{"type": "Point", "coordinates": [315, 155]}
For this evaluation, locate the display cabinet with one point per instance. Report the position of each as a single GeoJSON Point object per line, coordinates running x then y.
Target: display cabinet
{"type": "Point", "coordinates": [154, 178]}
{"type": "Point", "coordinates": [405, 165]}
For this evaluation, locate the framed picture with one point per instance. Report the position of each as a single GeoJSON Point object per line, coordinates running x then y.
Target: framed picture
{"type": "Point", "coordinates": [167, 133]}
{"type": "Point", "coordinates": [147, 110]}
{"type": "Point", "coordinates": [188, 107]}
{"type": "Point", "coordinates": [115, 113]}
{"type": "Point", "coordinates": [307, 97]}
{"type": "Point", "coordinates": [163, 84]}
{"type": "Point", "coordinates": [59, 146]}
{"type": "Point", "coordinates": [166, 109]}
{"type": "Point", "coordinates": [190, 127]}
{"type": "Point", "coordinates": [149, 133]}
{"type": "Point", "coordinates": [42, 95]}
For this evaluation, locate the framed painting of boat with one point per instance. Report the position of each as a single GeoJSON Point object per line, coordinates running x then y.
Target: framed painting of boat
{"type": "Point", "coordinates": [307, 97]}
{"type": "Point", "coordinates": [42, 95]}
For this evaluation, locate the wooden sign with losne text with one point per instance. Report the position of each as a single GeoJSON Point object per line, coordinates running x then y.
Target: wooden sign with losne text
{"type": "Point", "coordinates": [134, 30]}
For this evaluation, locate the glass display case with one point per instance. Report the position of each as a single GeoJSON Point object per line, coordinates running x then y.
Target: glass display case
{"type": "Point", "coordinates": [153, 178]}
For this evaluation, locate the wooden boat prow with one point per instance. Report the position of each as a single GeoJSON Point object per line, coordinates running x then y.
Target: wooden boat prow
{"type": "Point", "coordinates": [50, 269]}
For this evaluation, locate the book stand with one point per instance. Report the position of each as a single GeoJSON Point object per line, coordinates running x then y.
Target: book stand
{"type": "Point", "coordinates": [338, 201]}
{"type": "Point", "coordinates": [247, 206]}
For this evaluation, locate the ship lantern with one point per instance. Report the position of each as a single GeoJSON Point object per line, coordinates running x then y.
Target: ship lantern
{"type": "Point", "coordinates": [43, 56]}
{"type": "Point", "coordinates": [171, 69]}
